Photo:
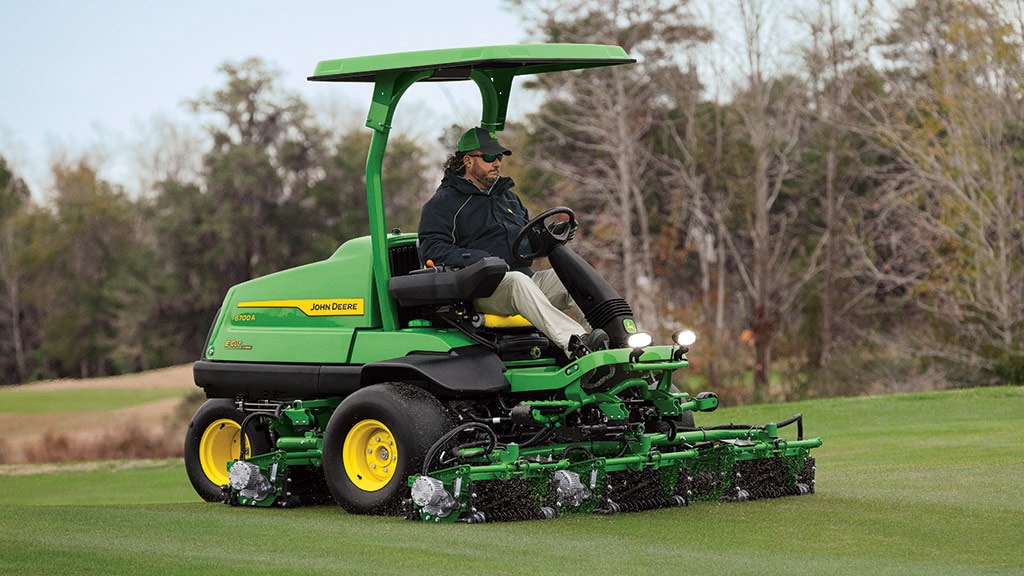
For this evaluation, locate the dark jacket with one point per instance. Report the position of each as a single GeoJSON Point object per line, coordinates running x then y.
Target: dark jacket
{"type": "Point", "coordinates": [462, 219]}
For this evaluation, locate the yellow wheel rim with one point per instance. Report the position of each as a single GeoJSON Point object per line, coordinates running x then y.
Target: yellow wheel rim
{"type": "Point", "coordinates": [370, 455]}
{"type": "Point", "coordinates": [218, 446]}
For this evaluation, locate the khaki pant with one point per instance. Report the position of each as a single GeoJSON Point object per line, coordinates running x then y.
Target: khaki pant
{"type": "Point", "coordinates": [542, 300]}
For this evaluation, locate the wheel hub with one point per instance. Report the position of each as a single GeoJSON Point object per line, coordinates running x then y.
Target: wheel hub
{"type": "Point", "coordinates": [370, 455]}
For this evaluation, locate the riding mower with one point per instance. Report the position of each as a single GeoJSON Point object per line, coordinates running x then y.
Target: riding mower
{"type": "Point", "coordinates": [368, 379]}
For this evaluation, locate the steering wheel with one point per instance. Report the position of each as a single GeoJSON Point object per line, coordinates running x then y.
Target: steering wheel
{"type": "Point", "coordinates": [542, 238]}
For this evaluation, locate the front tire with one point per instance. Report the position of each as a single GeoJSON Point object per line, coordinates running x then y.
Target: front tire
{"type": "Point", "coordinates": [214, 439]}
{"type": "Point", "coordinates": [375, 440]}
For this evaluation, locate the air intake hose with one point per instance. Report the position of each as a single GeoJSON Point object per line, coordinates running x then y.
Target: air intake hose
{"type": "Point", "coordinates": [600, 303]}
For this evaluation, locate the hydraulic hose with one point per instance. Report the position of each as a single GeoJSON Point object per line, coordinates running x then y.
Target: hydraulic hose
{"type": "Point", "coordinates": [243, 448]}
{"type": "Point", "coordinates": [432, 453]}
{"type": "Point", "coordinates": [537, 438]}
{"type": "Point", "coordinates": [575, 447]}
{"type": "Point", "coordinates": [799, 419]}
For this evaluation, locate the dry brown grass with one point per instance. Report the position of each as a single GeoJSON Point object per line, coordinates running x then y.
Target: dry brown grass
{"type": "Point", "coordinates": [130, 442]}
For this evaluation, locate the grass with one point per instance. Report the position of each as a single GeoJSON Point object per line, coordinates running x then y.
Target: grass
{"type": "Point", "coordinates": [33, 401]}
{"type": "Point", "coordinates": [911, 484]}
{"type": "Point", "coordinates": [107, 483]}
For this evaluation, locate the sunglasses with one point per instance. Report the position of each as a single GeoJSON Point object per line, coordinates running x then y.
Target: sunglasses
{"type": "Point", "coordinates": [486, 157]}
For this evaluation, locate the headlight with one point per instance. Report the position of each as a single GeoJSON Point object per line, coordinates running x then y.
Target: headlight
{"type": "Point", "coordinates": [639, 340]}
{"type": "Point", "coordinates": [684, 337]}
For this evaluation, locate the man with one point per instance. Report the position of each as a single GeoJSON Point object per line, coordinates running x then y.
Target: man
{"type": "Point", "coordinates": [475, 214]}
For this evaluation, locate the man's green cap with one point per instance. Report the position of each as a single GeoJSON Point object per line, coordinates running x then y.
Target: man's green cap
{"type": "Point", "coordinates": [482, 140]}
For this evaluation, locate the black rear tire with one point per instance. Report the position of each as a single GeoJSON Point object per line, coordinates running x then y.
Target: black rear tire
{"type": "Point", "coordinates": [213, 439]}
{"type": "Point", "coordinates": [375, 440]}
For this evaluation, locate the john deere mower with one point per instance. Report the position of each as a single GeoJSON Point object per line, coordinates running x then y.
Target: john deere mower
{"type": "Point", "coordinates": [369, 380]}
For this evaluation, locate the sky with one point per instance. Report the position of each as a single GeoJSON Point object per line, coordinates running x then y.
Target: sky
{"type": "Point", "coordinates": [90, 77]}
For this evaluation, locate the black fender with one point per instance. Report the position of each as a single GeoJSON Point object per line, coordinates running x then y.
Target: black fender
{"type": "Point", "coordinates": [461, 371]}
{"type": "Point", "coordinates": [274, 381]}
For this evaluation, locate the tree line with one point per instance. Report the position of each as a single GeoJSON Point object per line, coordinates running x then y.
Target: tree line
{"type": "Point", "coordinates": [832, 196]}
{"type": "Point", "coordinates": [100, 281]}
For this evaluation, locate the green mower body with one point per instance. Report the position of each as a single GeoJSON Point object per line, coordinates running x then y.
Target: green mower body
{"type": "Point", "coordinates": [369, 380]}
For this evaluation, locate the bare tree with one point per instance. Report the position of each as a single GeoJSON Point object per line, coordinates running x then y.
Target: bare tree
{"type": "Point", "coordinates": [14, 197]}
{"type": "Point", "coordinates": [166, 151]}
{"type": "Point", "coordinates": [773, 264]}
{"type": "Point", "coordinates": [596, 130]}
{"type": "Point", "coordinates": [692, 157]}
{"type": "Point", "coordinates": [840, 35]}
{"type": "Point", "coordinates": [955, 127]}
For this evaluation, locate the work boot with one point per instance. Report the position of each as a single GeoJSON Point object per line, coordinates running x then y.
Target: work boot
{"type": "Point", "coordinates": [581, 345]}
{"type": "Point", "coordinates": [597, 339]}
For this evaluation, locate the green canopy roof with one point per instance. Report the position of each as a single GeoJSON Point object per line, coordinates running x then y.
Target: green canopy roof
{"type": "Point", "coordinates": [456, 63]}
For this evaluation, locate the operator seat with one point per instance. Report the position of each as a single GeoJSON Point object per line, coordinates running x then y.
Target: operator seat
{"type": "Point", "coordinates": [445, 295]}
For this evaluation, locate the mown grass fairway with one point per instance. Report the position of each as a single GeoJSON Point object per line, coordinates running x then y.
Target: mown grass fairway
{"type": "Point", "coordinates": [914, 484]}
{"type": "Point", "coordinates": [29, 400]}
